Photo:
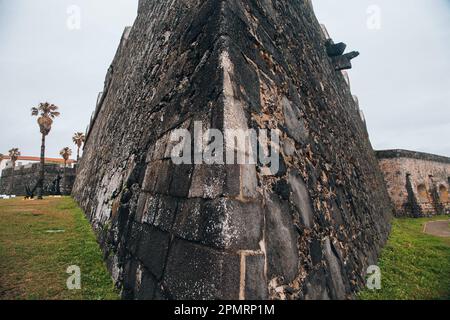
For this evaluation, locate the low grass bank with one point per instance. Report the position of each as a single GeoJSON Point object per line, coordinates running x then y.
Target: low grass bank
{"type": "Point", "coordinates": [414, 265]}
{"type": "Point", "coordinates": [39, 240]}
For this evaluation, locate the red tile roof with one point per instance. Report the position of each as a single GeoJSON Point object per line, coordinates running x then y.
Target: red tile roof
{"type": "Point", "coordinates": [37, 159]}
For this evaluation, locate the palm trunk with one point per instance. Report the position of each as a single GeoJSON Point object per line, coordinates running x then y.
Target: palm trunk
{"type": "Point", "coordinates": [42, 170]}
{"type": "Point", "coordinates": [64, 179]}
{"type": "Point", "coordinates": [78, 154]}
{"type": "Point", "coordinates": [11, 184]}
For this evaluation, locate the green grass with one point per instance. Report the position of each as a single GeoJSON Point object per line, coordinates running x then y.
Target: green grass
{"type": "Point", "coordinates": [414, 266]}
{"type": "Point", "coordinates": [33, 262]}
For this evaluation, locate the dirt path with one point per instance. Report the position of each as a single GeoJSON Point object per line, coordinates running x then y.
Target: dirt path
{"type": "Point", "coordinates": [438, 228]}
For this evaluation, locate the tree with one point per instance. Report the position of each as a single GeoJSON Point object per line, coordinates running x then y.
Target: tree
{"type": "Point", "coordinates": [45, 112]}
{"type": "Point", "coordinates": [14, 155]}
{"type": "Point", "coordinates": [78, 139]}
{"type": "Point", "coordinates": [65, 154]}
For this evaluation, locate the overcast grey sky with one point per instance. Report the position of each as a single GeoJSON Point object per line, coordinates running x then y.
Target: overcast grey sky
{"type": "Point", "coordinates": [402, 77]}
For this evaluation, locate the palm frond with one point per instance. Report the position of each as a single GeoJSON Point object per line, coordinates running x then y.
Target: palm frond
{"type": "Point", "coordinates": [65, 153]}
{"type": "Point", "coordinates": [45, 109]}
{"type": "Point", "coordinates": [78, 138]}
{"type": "Point", "coordinates": [14, 154]}
{"type": "Point", "coordinates": [54, 114]}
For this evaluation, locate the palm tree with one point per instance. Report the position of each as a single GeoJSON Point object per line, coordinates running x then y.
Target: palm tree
{"type": "Point", "coordinates": [65, 154]}
{"type": "Point", "coordinates": [14, 155]}
{"type": "Point", "coordinates": [46, 113]}
{"type": "Point", "coordinates": [78, 138]}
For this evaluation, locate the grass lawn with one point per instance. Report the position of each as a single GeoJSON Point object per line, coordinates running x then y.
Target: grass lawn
{"type": "Point", "coordinates": [414, 266]}
{"type": "Point", "coordinates": [35, 254]}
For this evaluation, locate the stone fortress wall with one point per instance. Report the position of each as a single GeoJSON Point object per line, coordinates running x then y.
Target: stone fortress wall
{"type": "Point", "coordinates": [418, 183]}
{"type": "Point", "coordinates": [28, 175]}
{"type": "Point", "coordinates": [198, 231]}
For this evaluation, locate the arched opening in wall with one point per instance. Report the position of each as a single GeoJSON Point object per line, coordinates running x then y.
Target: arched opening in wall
{"type": "Point", "coordinates": [443, 194]}
{"type": "Point", "coordinates": [423, 193]}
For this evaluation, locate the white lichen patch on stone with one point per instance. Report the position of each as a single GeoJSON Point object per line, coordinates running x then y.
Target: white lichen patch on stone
{"type": "Point", "coordinates": [249, 182]}
{"type": "Point", "coordinates": [234, 116]}
{"type": "Point", "coordinates": [229, 231]}
{"type": "Point", "coordinates": [103, 210]}
{"type": "Point", "coordinates": [235, 119]}
{"type": "Point", "coordinates": [115, 268]}
{"type": "Point", "coordinates": [138, 277]}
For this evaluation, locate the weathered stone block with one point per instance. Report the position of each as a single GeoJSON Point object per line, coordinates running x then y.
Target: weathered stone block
{"type": "Point", "coordinates": [255, 280]}
{"type": "Point", "coordinates": [315, 285]}
{"type": "Point", "coordinates": [164, 174]}
{"type": "Point", "coordinates": [300, 197]}
{"type": "Point", "coordinates": [233, 180]}
{"type": "Point", "coordinates": [294, 123]}
{"type": "Point", "coordinates": [134, 237]}
{"type": "Point", "coordinates": [335, 278]}
{"type": "Point", "coordinates": [207, 181]}
{"type": "Point", "coordinates": [232, 225]}
{"type": "Point", "coordinates": [281, 241]}
{"type": "Point", "coordinates": [188, 223]}
{"type": "Point", "coordinates": [165, 214]}
{"type": "Point", "coordinates": [181, 180]}
{"type": "Point", "coordinates": [197, 272]}
{"type": "Point", "coordinates": [151, 209]}
{"type": "Point", "coordinates": [151, 175]}
{"type": "Point", "coordinates": [146, 286]}
{"type": "Point", "coordinates": [152, 249]}
{"type": "Point", "coordinates": [129, 281]}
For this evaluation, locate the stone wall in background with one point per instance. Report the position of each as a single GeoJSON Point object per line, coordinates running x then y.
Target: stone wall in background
{"type": "Point", "coordinates": [418, 183]}
{"type": "Point", "coordinates": [28, 175]}
{"type": "Point", "coordinates": [199, 231]}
